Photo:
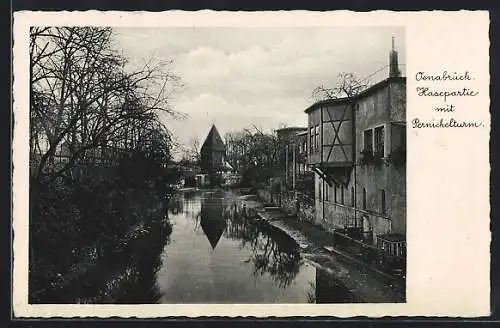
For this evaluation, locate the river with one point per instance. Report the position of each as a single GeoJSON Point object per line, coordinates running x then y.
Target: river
{"type": "Point", "coordinates": [204, 250]}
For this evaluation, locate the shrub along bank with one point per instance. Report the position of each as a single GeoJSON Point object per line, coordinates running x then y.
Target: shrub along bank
{"type": "Point", "coordinates": [75, 226]}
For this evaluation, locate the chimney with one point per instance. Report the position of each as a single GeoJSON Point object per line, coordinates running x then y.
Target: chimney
{"type": "Point", "coordinates": [393, 62]}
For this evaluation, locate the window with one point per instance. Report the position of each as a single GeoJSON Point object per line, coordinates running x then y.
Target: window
{"type": "Point", "coordinates": [335, 193]}
{"type": "Point", "coordinates": [383, 209]}
{"type": "Point", "coordinates": [311, 140]}
{"type": "Point", "coordinates": [379, 141]}
{"type": "Point", "coordinates": [352, 197]}
{"type": "Point", "coordinates": [316, 137]}
{"type": "Point", "coordinates": [342, 195]}
{"type": "Point", "coordinates": [327, 191]}
{"type": "Point", "coordinates": [368, 140]}
{"type": "Point", "coordinates": [364, 198]}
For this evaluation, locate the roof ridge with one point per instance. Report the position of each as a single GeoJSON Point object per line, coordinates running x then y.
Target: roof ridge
{"type": "Point", "coordinates": [213, 138]}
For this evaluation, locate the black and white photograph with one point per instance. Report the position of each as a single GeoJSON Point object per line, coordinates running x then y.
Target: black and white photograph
{"type": "Point", "coordinates": [217, 165]}
{"type": "Point", "coordinates": [251, 165]}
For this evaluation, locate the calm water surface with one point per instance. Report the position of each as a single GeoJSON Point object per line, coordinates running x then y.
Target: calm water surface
{"type": "Point", "coordinates": [216, 255]}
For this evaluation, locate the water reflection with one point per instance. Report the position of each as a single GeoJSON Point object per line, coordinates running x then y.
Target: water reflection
{"type": "Point", "coordinates": [189, 194]}
{"type": "Point", "coordinates": [176, 204]}
{"type": "Point", "coordinates": [212, 218]}
{"type": "Point", "coordinates": [140, 278]}
{"type": "Point", "coordinates": [217, 256]}
{"type": "Point", "coordinates": [328, 290]}
{"type": "Point", "coordinates": [273, 252]}
{"type": "Point", "coordinates": [244, 261]}
{"type": "Point", "coordinates": [239, 247]}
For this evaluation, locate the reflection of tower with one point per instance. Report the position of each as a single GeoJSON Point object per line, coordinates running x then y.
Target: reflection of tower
{"type": "Point", "coordinates": [330, 290]}
{"type": "Point", "coordinates": [212, 155]}
{"type": "Point", "coordinates": [212, 221]}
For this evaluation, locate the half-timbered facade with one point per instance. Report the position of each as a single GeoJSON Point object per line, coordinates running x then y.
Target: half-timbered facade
{"type": "Point", "coordinates": [357, 149]}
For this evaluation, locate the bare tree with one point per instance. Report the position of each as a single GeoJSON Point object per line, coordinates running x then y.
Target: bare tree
{"type": "Point", "coordinates": [193, 151]}
{"type": "Point", "coordinates": [84, 101]}
{"type": "Point", "coordinates": [348, 85]}
{"type": "Point", "coordinates": [256, 153]}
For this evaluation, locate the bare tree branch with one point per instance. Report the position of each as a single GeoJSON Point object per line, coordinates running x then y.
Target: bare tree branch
{"type": "Point", "coordinates": [348, 85]}
{"type": "Point", "coordinates": [82, 97]}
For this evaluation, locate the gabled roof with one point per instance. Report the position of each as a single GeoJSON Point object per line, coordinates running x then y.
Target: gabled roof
{"type": "Point", "coordinates": [328, 102]}
{"type": "Point", "coordinates": [380, 85]}
{"type": "Point", "coordinates": [213, 140]}
{"type": "Point", "coordinates": [292, 129]}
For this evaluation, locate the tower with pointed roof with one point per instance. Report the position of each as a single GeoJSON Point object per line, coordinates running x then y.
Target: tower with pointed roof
{"type": "Point", "coordinates": [212, 153]}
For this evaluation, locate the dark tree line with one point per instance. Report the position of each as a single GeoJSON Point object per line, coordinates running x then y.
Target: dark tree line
{"type": "Point", "coordinates": [93, 112]}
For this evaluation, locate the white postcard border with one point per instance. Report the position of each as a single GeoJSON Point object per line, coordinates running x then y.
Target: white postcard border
{"type": "Point", "coordinates": [448, 242]}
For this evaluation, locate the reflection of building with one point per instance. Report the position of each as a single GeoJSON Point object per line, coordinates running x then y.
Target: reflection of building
{"type": "Point", "coordinates": [202, 180]}
{"type": "Point", "coordinates": [212, 220]}
{"type": "Point", "coordinates": [213, 154]}
{"type": "Point", "coordinates": [357, 149]}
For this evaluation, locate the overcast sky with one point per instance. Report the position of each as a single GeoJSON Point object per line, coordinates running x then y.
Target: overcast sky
{"type": "Point", "coordinates": [238, 76]}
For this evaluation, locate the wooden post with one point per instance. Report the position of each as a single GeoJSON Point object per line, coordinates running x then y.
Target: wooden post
{"type": "Point", "coordinates": [294, 167]}
{"type": "Point", "coordinates": [286, 165]}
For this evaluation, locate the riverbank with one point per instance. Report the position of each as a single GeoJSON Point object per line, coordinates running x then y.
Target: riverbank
{"type": "Point", "coordinates": [81, 231]}
{"type": "Point", "coordinates": [107, 278]}
{"type": "Point", "coordinates": [319, 245]}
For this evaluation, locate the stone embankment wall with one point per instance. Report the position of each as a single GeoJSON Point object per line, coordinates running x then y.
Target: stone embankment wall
{"type": "Point", "coordinates": [291, 202]}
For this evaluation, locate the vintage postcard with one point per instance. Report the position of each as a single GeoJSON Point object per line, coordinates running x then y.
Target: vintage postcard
{"type": "Point", "coordinates": [251, 164]}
